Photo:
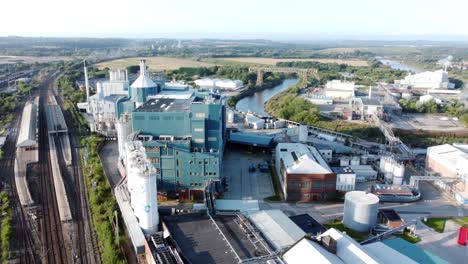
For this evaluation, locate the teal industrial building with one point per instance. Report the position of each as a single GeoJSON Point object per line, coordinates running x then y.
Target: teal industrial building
{"type": "Point", "coordinates": [182, 130]}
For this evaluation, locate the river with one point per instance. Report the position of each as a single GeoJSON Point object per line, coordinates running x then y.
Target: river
{"type": "Point", "coordinates": [399, 66]}
{"type": "Point", "coordinates": [256, 102]}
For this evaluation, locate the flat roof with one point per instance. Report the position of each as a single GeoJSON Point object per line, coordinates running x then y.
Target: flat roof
{"type": "Point", "coordinates": [27, 133]}
{"type": "Point", "coordinates": [55, 120]}
{"type": "Point", "coordinates": [413, 252]}
{"type": "Point", "coordinates": [243, 206]}
{"type": "Point", "coordinates": [278, 229]}
{"type": "Point", "coordinates": [199, 239]}
{"type": "Point", "coordinates": [308, 224]}
{"type": "Point", "coordinates": [342, 170]}
{"type": "Point", "coordinates": [388, 255]}
{"type": "Point", "coordinates": [252, 139]}
{"type": "Point", "coordinates": [302, 159]}
{"type": "Point", "coordinates": [165, 105]}
{"type": "Point", "coordinates": [370, 101]}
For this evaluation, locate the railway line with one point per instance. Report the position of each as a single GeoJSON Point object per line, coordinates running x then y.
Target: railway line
{"type": "Point", "coordinates": [23, 244]}
{"type": "Point", "coordinates": [52, 250]}
{"type": "Point", "coordinates": [85, 247]}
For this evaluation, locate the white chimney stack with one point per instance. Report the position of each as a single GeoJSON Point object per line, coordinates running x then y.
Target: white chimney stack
{"type": "Point", "coordinates": [86, 81]}
{"type": "Point", "coordinates": [370, 91]}
{"type": "Point", "coordinates": [143, 67]}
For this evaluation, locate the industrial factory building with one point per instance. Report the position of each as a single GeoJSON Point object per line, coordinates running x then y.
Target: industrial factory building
{"type": "Point", "coordinates": [336, 247]}
{"type": "Point", "coordinates": [367, 107]}
{"type": "Point", "coordinates": [303, 173]}
{"type": "Point", "coordinates": [183, 132]}
{"type": "Point", "coordinates": [450, 161]}
{"type": "Point", "coordinates": [428, 80]}
{"type": "Point", "coordinates": [218, 83]}
{"type": "Point", "coordinates": [337, 89]}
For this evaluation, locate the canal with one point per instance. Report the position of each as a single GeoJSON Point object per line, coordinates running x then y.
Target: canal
{"type": "Point", "coordinates": [256, 102]}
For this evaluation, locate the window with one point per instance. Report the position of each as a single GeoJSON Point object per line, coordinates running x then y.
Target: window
{"type": "Point", "coordinates": [200, 115]}
{"type": "Point", "coordinates": [199, 140]}
{"type": "Point", "coordinates": [154, 160]}
{"type": "Point", "coordinates": [292, 184]}
{"type": "Point", "coordinates": [212, 139]}
{"type": "Point", "coordinates": [198, 130]}
{"type": "Point", "coordinates": [154, 118]}
{"type": "Point", "coordinates": [330, 184]}
{"type": "Point", "coordinates": [305, 184]}
{"type": "Point", "coordinates": [158, 171]}
{"type": "Point", "coordinates": [317, 185]}
{"type": "Point", "coordinates": [167, 118]}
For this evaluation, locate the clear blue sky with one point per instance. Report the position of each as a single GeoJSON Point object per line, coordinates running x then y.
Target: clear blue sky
{"type": "Point", "coordinates": [233, 18]}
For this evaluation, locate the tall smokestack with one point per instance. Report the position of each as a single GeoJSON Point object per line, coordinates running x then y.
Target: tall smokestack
{"type": "Point", "coordinates": [126, 74]}
{"type": "Point", "coordinates": [86, 81]}
{"type": "Point", "coordinates": [143, 67]}
{"type": "Point", "coordinates": [370, 91]}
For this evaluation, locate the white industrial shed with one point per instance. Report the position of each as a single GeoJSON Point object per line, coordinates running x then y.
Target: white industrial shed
{"type": "Point", "coordinates": [347, 251]}
{"type": "Point", "coordinates": [277, 228]}
{"type": "Point", "coordinates": [311, 251]}
{"type": "Point", "coordinates": [27, 133]}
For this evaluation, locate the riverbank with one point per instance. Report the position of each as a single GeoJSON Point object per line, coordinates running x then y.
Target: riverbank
{"type": "Point", "coordinates": [250, 91]}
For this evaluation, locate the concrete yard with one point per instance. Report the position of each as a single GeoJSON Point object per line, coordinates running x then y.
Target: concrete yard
{"type": "Point", "coordinates": [425, 122]}
{"type": "Point", "coordinates": [243, 184]}
{"type": "Point", "coordinates": [109, 155]}
{"type": "Point", "coordinates": [443, 244]}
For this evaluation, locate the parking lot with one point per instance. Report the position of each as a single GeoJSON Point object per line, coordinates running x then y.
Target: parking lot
{"type": "Point", "coordinates": [426, 122]}
{"type": "Point", "coordinates": [242, 183]}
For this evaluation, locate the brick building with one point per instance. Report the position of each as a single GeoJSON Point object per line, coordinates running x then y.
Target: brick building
{"type": "Point", "coordinates": [303, 173]}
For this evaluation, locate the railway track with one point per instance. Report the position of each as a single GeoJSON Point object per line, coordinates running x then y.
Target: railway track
{"type": "Point", "coordinates": [23, 243]}
{"type": "Point", "coordinates": [52, 250]}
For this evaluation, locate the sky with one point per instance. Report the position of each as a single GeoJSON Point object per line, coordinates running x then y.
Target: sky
{"type": "Point", "coordinates": [269, 19]}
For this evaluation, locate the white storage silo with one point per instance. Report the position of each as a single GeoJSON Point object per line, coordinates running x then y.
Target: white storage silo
{"type": "Point", "coordinates": [124, 128]}
{"type": "Point", "coordinates": [360, 210]}
{"type": "Point", "coordinates": [398, 173]}
{"type": "Point", "coordinates": [141, 183]}
{"type": "Point", "coordinates": [355, 161]}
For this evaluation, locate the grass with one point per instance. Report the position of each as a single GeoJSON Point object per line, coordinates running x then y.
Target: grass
{"type": "Point", "coordinates": [154, 63]}
{"type": "Point", "coordinates": [408, 237]}
{"type": "Point", "coordinates": [337, 224]}
{"type": "Point", "coordinates": [437, 224]}
{"type": "Point", "coordinates": [276, 186]}
{"type": "Point", "coordinates": [5, 227]}
{"type": "Point", "coordinates": [273, 61]}
{"type": "Point", "coordinates": [462, 221]}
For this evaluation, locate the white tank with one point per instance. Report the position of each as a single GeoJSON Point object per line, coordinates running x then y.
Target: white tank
{"type": "Point", "coordinates": [230, 116]}
{"type": "Point", "coordinates": [360, 210]}
{"type": "Point", "coordinates": [141, 183]}
{"type": "Point", "coordinates": [398, 174]}
{"type": "Point", "coordinates": [124, 128]}
{"type": "Point", "coordinates": [344, 162]}
{"type": "Point", "coordinates": [303, 133]}
{"type": "Point", "coordinates": [382, 164]}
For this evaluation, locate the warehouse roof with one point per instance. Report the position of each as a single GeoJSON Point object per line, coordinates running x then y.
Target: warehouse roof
{"type": "Point", "coordinates": [27, 133]}
{"type": "Point", "coordinates": [370, 101]}
{"type": "Point", "coordinates": [252, 139]}
{"type": "Point", "coordinates": [349, 250]}
{"type": "Point", "coordinates": [388, 255]}
{"type": "Point", "coordinates": [311, 251]}
{"type": "Point", "coordinates": [412, 251]}
{"type": "Point", "coordinates": [278, 229]}
{"type": "Point", "coordinates": [302, 159]}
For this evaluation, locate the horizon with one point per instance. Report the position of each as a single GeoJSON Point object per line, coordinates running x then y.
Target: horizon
{"type": "Point", "coordinates": [272, 20]}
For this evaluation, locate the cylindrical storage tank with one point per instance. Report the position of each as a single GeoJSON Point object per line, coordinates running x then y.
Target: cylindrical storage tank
{"type": "Point", "coordinates": [382, 164]}
{"type": "Point", "coordinates": [398, 174]}
{"type": "Point", "coordinates": [364, 160]}
{"type": "Point", "coordinates": [360, 210]}
{"type": "Point", "coordinates": [344, 162]}
{"type": "Point", "coordinates": [389, 164]}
